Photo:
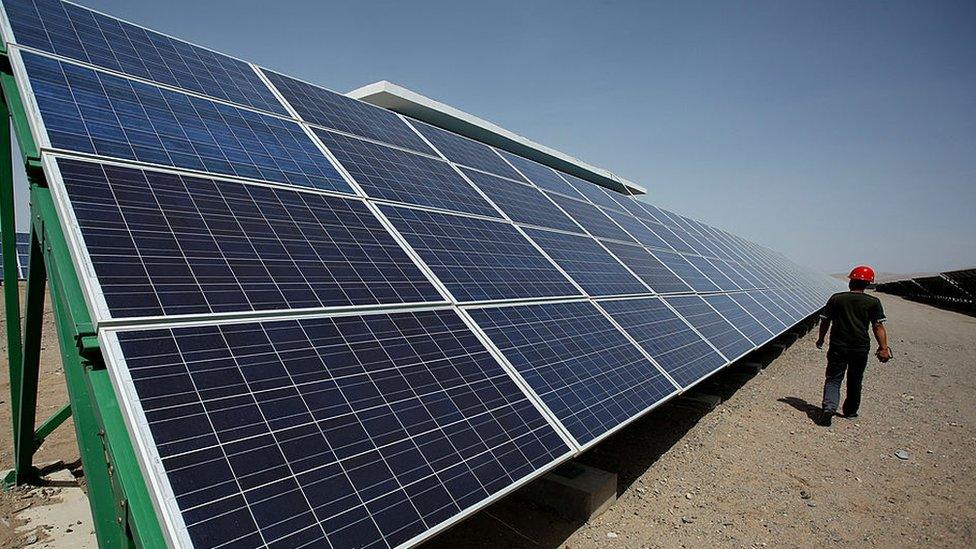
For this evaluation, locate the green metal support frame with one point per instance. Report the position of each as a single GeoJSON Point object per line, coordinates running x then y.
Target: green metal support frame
{"type": "Point", "coordinates": [123, 512]}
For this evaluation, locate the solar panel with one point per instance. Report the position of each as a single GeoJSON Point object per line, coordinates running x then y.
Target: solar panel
{"type": "Point", "coordinates": [317, 105]}
{"type": "Point", "coordinates": [586, 262]}
{"type": "Point", "coordinates": [791, 311]}
{"type": "Point", "coordinates": [672, 236]}
{"type": "Point", "coordinates": [93, 112]}
{"type": "Point", "coordinates": [350, 431]}
{"type": "Point", "coordinates": [468, 152]}
{"type": "Point", "coordinates": [584, 369]}
{"type": "Point", "coordinates": [328, 324]}
{"type": "Point", "coordinates": [593, 192]}
{"type": "Point", "coordinates": [711, 272]}
{"type": "Point", "coordinates": [734, 273]}
{"type": "Point", "coordinates": [23, 253]}
{"type": "Point", "coordinates": [22, 246]}
{"type": "Point", "coordinates": [397, 175]}
{"type": "Point", "coordinates": [166, 244]}
{"type": "Point", "coordinates": [651, 212]}
{"type": "Point", "coordinates": [477, 259]}
{"type": "Point", "coordinates": [768, 318]}
{"type": "Point", "coordinates": [638, 230]}
{"type": "Point", "coordinates": [77, 33]}
{"type": "Point", "coordinates": [630, 205]}
{"type": "Point", "coordinates": [543, 176]}
{"type": "Point", "coordinates": [648, 268]}
{"type": "Point", "coordinates": [740, 318]}
{"type": "Point", "coordinates": [710, 324]}
{"type": "Point", "coordinates": [777, 310]}
{"type": "Point", "coordinates": [592, 219]}
{"type": "Point", "coordinates": [522, 203]}
{"type": "Point", "coordinates": [800, 310]}
{"type": "Point", "coordinates": [678, 349]}
{"type": "Point", "coordinates": [681, 267]}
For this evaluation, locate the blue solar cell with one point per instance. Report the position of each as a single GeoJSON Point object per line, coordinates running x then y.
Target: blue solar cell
{"type": "Point", "coordinates": [740, 318]}
{"type": "Point", "coordinates": [468, 152]}
{"type": "Point", "coordinates": [593, 192]}
{"type": "Point", "coordinates": [544, 177]}
{"type": "Point", "coordinates": [326, 108]}
{"type": "Point", "coordinates": [23, 254]}
{"type": "Point", "coordinates": [766, 317]}
{"type": "Point", "coordinates": [734, 273]}
{"type": "Point", "coordinates": [591, 266]}
{"type": "Point", "coordinates": [165, 244]}
{"type": "Point", "coordinates": [651, 212]}
{"type": "Point", "coordinates": [522, 203]}
{"type": "Point", "coordinates": [703, 244]}
{"type": "Point", "coordinates": [592, 219]}
{"type": "Point", "coordinates": [77, 33]}
{"type": "Point", "coordinates": [681, 267]}
{"type": "Point", "coordinates": [92, 112]}
{"type": "Point", "coordinates": [681, 352]}
{"type": "Point", "coordinates": [666, 217]}
{"type": "Point", "coordinates": [22, 246]}
{"type": "Point", "coordinates": [351, 431]}
{"type": "Point", "coordinates": [793, 306]}
{"type": "Point", "coordinates": [779, 311]}
{"type": "Point", "coordinates": [479, 260]}
{"type": "Point", "coordinates": [397, 175]}
{"type": "Point", "coordinates": [648, 268]}
{"type": "Point", "coordinates": [632, 206]}
{"type": "Point", "coordinates": [710, 324]}
{"type": "Point", "coordinates": [713, 274]}
{"type": "Point", "coordinates": [638, 230]}
{"type": "Point", "coordinates": [582, 367]}
{"type": "Point", "coordinates": [672, 236]}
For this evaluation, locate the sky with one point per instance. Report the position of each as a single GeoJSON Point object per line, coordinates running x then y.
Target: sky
{"type": "Point", "coordinates": [838, 133]}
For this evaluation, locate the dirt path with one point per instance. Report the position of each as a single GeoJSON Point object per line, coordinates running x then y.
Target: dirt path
{"type": "Point", "coordinates": [754, 472]}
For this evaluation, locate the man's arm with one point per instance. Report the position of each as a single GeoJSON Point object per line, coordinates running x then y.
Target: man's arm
{"type": "Point", "coordinates": [824, 328]}
{"type": "Point", "coordinates": [880, 334]}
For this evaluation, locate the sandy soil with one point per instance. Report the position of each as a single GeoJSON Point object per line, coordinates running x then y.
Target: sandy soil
{"type": "Point", "coordinates": [54, 514]}
{"type": "Point", "coordinates": [756, 471]}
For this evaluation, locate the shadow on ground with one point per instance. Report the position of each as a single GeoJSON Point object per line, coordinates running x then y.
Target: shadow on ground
{"type": "Point", "coordinates": [517, 522]}
{"type": "Point", "coordinates": [812, 411]}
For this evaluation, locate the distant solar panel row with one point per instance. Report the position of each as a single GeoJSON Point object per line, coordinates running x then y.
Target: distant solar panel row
{"type": "Point", "coordinates": [21, 258]}
{"type": "Point", "coordinates": [467, 317]}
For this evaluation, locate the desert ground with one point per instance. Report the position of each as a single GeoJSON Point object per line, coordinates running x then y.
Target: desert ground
{"type": "Point", "coordinates": [753, 472]}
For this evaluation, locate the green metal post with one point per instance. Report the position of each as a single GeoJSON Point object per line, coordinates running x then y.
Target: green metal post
{"type": "Point", "coordinates": [26, 402]}
{"type": "Point", "coordinates": [11, 290]}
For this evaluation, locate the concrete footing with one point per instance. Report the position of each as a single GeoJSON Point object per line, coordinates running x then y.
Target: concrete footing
{"type": "Point", "coordinates": [575, 491]}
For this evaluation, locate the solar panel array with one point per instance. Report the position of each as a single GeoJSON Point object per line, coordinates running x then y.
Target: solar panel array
{"type": "Point", "coordinates": [23, 253]}
{"type": "Point", "coordinates": [336, 325]}
{"type": "Point", "coordinates": [955, 290]}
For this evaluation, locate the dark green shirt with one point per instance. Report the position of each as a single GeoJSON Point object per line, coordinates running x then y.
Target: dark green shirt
{"type": "Point", "coordinates": [850, 313]}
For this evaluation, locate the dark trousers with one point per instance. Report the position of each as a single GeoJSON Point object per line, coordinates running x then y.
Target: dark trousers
{"type": "Point", "coordinates": [840, 361]}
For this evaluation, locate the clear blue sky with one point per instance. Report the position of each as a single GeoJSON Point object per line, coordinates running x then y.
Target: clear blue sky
{"type": "Point", "coordinates": [835, 132]}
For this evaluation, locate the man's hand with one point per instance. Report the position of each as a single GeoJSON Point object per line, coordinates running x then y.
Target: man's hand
{"type": "Point", "coordinates": [883, 354]}
{"type": "Point", "coordinates": [820, 343]}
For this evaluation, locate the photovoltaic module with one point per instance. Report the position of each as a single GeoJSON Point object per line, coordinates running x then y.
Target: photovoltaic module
{"type": "Point", "coordinates": [331, 324]}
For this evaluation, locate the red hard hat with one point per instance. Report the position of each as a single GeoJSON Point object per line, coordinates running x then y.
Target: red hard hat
{"type": "Point", "coordinates": [862, 272]}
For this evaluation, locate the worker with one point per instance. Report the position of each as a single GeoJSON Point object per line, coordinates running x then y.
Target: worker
{"type": "Point", "coordinates": [847, 316]}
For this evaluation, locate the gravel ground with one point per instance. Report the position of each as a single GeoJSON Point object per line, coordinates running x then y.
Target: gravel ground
{"type": "Point", "coordinates": [756, 471]}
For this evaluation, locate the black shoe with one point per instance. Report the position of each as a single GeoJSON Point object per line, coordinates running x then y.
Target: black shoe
{"type": "Point", "coordinates": [824, 419]}
{"type": "Point", "coordinates": [849, 416]}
